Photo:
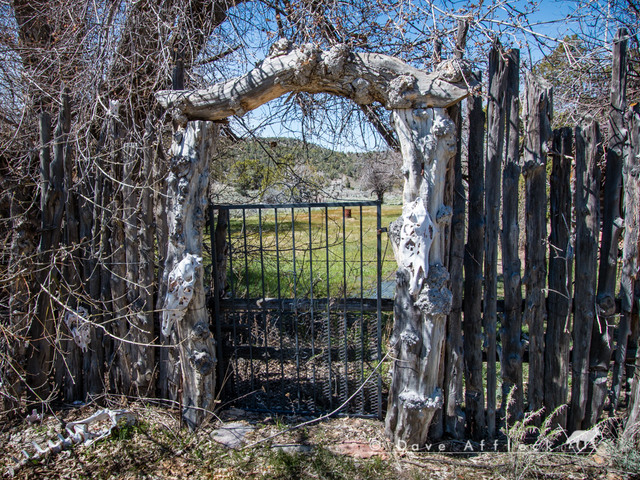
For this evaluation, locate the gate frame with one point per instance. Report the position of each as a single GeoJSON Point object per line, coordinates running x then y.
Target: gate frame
{"type": "Point", "coordinates": [215, 292]}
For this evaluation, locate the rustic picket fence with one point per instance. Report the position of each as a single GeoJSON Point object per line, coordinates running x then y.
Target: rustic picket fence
{"type": "Point", "coordinates": [580, 343]}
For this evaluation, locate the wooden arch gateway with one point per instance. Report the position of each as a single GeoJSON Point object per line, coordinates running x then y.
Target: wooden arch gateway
{"type": "Point", "coordinates": [427, 136]}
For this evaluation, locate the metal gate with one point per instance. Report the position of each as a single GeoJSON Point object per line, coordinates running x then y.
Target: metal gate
{"type": "Point", "coordinates": [296, 300]}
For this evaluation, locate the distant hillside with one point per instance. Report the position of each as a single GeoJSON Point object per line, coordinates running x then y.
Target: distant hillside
{"type": "Point", "coordinates": [289, 151]}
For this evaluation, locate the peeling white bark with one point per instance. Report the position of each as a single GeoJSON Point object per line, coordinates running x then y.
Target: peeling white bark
{"type": "Point", "coordinates": [362, 77]}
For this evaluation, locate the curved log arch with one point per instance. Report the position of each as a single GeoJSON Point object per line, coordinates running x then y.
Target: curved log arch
{"type": "Point", "coordinates": [425, 132]}
{"type": "Point", "coordinates": [364, 78]}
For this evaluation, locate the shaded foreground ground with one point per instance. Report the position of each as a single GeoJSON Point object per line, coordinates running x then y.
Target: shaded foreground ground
{"type": "Point", "coordinates": [337, 448]}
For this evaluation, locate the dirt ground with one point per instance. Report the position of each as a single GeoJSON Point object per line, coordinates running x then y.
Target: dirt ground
{"type": "Point", "coordinates": [156, 447]}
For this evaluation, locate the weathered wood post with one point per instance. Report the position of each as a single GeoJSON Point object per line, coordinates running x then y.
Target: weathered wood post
{"type": "Point", "coordinates": [557, 336]}
{"type": "Point", "coordinates": [537, 113]}
{"type": "Point", "coordinates": [588, 152]}
{"type": "Point", "coordinates": [612, 224]}
{"type": "Point", "coordinates": [423, 299]}
{"type": "Point", "coordinates": [473, 261]}
{"type": "Point", "coordinates": [511, 331]}
{"type": "Point", "coordinates": [184, 304]}
{"type": "Point", "coordinates": [454, 416]}
{"type": "Point", "coordinates": [631, 177]}
{"type": "Point", "coordinates": [493, 169]}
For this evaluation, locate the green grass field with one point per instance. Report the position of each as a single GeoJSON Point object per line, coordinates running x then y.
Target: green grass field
{"type": "Point", "coordinates": [308, 253]}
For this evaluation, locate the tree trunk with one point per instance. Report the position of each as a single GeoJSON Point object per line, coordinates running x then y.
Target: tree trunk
{"type": "Point", "coordinates": [612, 224]}
{"type": "Point", "coordinates": [587, 206]}
{"type": "Point", "coordinates": [473, 260]}
{"type": "Point", "coordinates": [557, 337]}
{"type": "Point", "coordinates": [537, 113]}
{"type": "Point", "coordinates": [495, 150]}
{"type": "Point", "coordinates": [422, 296]}
{"type": "Point", "coordinates": [511, 332]}
{"type": "Point", "coordinates": [184, 306]}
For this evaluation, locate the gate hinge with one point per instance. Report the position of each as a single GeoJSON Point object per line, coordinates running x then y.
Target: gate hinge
{"type": "Point", "coordinates": [382, 230]}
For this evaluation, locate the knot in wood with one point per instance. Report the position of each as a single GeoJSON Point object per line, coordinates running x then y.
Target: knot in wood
{"type": "Point", "coordinates": [435, 298]}
{"type": "Point", "coordinates": [335, 59]}
{"type": "Point", "coordinates": [413, 401]}
{"type": "Point", "coordinates": [443, 217]}
{"type": "Point", "coordinates": [409, 338]}
{"type": "Point", "coordinates": [202, 361]}
{"type": "Point", "coordinates": [361, 91]}
{"type": "Point", "coordinates": [280, 47]}
{"type": "Point", "coordinates": [443, 126]}
{"type": "Point", "coordinates": [200, 331]}
{"type": "Point", "coordinates": [402, 92]}
{"type": "Point", "coordinates": [306, 63]}
{"type": "Point", "coordinates": [455, 71]}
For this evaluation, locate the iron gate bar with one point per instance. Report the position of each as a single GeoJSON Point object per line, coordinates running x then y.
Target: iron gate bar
{"type": "Point", "coordinates": [313, 335]}
{"type": "Point", "coordinates": [246, 276]}
{"type": "Point", "coordinates": [251, 318]}
{"type": "Point", "coordinates": [379, 299]}
{"type": "Point", "coordinates": [264, 314]}
{"type": "Point", "coordinates": [345, 331]}
{"type": "Point", "coordinates": [282, 206]}
{"type": "Point", "coordinates": [295, 305]}
{"type": "Point", "coordinates": [326, 233]}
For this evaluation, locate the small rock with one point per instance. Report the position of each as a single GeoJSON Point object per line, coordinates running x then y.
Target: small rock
{"type": "Point", "coordinates": [231, 435]}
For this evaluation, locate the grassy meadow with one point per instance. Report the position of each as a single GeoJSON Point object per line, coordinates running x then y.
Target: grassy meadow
{"type": "Point", "coordinates": [308, 253]}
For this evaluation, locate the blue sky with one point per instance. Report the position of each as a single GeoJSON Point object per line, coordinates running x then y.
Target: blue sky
{"type": "Point", "coordinates": [536, 33]}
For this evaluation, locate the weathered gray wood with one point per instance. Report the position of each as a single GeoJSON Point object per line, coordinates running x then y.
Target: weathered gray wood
{"type": "Point", "coordinates": [612, 224]}
{"type": "Point", "coordinates": [142, 265]}
{"type": "Point", "coordinates": [473, 261]}
{"type": "Point", "coordinates": [495, 151]}
{"type": "Point", "coordinates": [184, 308]}
{"type": "Point", "coordinates": [631, 173]}
{"type": "Point", "coordinates": [69, 364]}
{"type": "Point", "coordinates": [454, 417]}
{"type": "Point", "coordinates": [632, 425]}
{"type": "Point", "coordinates": [363, 77]}
{"type": "Point", "coordinates": [588, 152]}
{"type": "Point", "coordinates": [557, 336]}
{"type": "Point", "coordinates": [121, 367]}
{"type": "Point", "coordinates": [220, 249]}
{"type": "Point", "coordinates": [41, 331]}
{"type": "Point", "coordinates": [511, 332]}
{"type": "Point", "coordinates": [422, 297]}
{"type": "Point", "coordinates": [168, 382]}
{"type": "Point", "coordinates": [537, 113]}
{"type": "Point", "coordinates": [93, 217]}
{"type": "Point", "coordinates": [22, 262]}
